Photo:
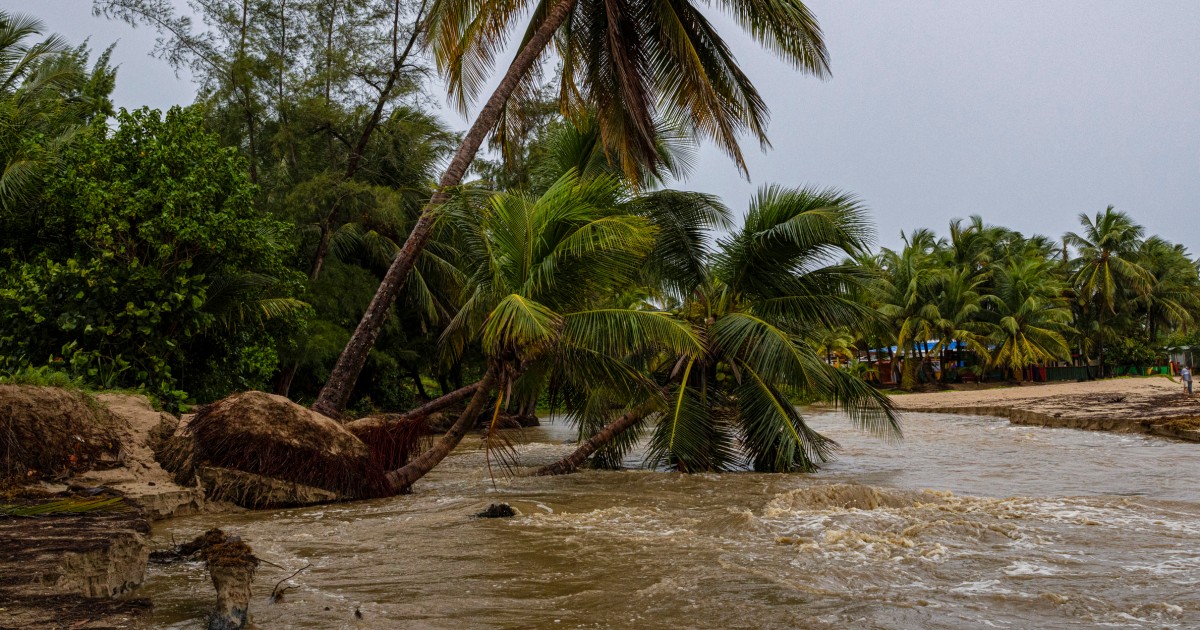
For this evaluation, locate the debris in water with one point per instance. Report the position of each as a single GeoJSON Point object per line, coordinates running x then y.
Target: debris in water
{"type": "Point", "coordinates": [277, 593]}
{"type": "Point", "coordinates": [497, 510]}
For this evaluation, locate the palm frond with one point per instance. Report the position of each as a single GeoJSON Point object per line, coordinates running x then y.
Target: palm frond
{"type": "Point", "coordinates": [776, 436]}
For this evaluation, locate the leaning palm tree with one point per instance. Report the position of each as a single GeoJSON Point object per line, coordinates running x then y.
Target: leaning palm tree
{"type": "Point", "coordinates": [1031, 316]}
{"type": "Point", "coordinates": [536, 301]}
{"type": "Point", "coordinates": [630, 63]}
{"type": "Point", "coordinates": [1106, 268]}
{"type": "Point", "coordinates": [762, 303]}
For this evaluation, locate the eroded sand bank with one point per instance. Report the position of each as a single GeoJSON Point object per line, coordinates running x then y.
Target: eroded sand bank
{"type": "Point", "coordinates": [1153, 405]}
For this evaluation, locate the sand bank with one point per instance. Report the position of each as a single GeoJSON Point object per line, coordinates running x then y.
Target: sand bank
{"type": "Point", "coordinates": [68, 570]}
{"type": "Point", "coordinates": [1152, 405]}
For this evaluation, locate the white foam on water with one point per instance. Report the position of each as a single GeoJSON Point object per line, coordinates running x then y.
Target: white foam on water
{"type": "Point", "coordinates": [980, 587]}
{"type": "Point", "coordinates": [1020, 568]}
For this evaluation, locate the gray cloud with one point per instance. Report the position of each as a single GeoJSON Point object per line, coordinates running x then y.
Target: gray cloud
{"type": "Point", "coordinates": [1025, 112]}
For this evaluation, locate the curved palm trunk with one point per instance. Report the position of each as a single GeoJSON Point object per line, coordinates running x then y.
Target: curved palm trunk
{"type": "Point", "coordinates": [401, 479]}
{"type": "Point", "coordinates": [444, 401]}
{"type": "Point", "coordinates": [572, 462]}
{"type": "Point", "coordinates": [345, 373]}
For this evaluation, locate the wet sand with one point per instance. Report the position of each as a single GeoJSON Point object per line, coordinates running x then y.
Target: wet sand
{"type": "Point", "coordinates": [1152, 405]}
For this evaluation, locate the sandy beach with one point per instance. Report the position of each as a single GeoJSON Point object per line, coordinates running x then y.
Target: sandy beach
{"type": "Point", "coordinates": [1154, 405]}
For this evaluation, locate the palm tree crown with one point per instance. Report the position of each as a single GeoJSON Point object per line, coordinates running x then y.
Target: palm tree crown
{"type": "Point", "coordinates": [634, 65]}
{"type": "Point", "coordinates": [774, 288]}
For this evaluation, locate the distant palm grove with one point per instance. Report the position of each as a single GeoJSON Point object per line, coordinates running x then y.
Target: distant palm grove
{"type": "Point", "coordinates": [310, 227]}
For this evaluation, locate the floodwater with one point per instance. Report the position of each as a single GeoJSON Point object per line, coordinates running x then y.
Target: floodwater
{"type": "Point", "coordinates": [968, 523]}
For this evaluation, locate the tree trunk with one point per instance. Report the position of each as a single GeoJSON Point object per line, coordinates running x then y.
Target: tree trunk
{"type": "Point", "coordinates": [403, 478]}
{"type": "Point", "coordinates": [611, 430]}
{"type": "Point", "coordinates": [318, 262]}
{"type": "Point", "coordinates": [1100, 340]}
{"type": "Point", "coordinates": [446, 400]}
{"type": "Point", "coordinates": [284, 384]}
{"type": "Point", "coordinates": [247, 98]}
{"type": "Point", "coordinates": [345, 373]}
{"type": "Point", "coordinates": [908, 374]}
{"type": "Point", "coordinates": [416, 377]}
{"type": "Point", "coordinates": [942, 361]}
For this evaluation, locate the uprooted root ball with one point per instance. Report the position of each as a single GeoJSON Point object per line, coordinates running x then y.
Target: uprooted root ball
{"type": "Point", "coordinates": [49, 432]}
{"type": "Point", "coordinates": [271, 436]}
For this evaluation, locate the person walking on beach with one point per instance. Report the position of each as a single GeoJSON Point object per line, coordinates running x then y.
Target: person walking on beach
{"type": "Point", "coordinates": [1186, 376]}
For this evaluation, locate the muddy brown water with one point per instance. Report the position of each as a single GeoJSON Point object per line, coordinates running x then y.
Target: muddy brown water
{"type": "Point", "coordinates": [968, 523]}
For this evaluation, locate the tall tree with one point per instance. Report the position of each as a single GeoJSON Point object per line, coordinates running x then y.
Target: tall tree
{"type": "Point", "coordinates": [907, 297]}
{"type": "Point", "coordinates": [631, 62]}
{"type": "Point", "coordinates": [1032, 316]}
{"type": "Point", "coordinates": [1174, 292]}
{"type": "Point", "coordinates": [1106, 268]}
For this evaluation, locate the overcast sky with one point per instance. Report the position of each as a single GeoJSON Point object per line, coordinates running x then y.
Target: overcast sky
{"type": "Point", "coordinates": [1025, 112]}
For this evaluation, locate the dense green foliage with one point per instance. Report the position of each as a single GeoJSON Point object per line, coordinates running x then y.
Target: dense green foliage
{"type": "Point", "coordinates": [147, 263]}
{"type": "Point", "coordinates": [1103, 296]}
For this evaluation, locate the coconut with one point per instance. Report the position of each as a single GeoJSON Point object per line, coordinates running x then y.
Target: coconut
{"type": "Point", "coordinates": [271, 436]}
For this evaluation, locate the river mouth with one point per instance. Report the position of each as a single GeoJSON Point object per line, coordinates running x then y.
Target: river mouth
{"type": "Point", "coordinates": [970, 522]}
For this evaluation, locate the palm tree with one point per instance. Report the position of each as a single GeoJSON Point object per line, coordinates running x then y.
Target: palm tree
{"type": "Point", "coordinates": [1106, 266]}
{"type": "Point", "coordinates": [537, 299]}
{"type": "Point", "coordinates": [763, 300]}
{"type": "Point", "coordinates": [970, 244]}
{"type": "Point", "coordinates": [907, 297]}
{"type": "Point", "coordinates": [1032, 315]}
{"type": "Point", "coordinates": [632, 63]}
{"type": "Point", "coordinates": [959, 313]}
{"type": "Point", "coordinates": [37, 113]}
{"type": "Point", "coordinates": [836, 343]}
{"type": "Point", "coordinates": [1174, 292]}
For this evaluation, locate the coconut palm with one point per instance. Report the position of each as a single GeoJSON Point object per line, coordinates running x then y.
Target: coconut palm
{"type": "Point", "coordinates": [1106, 268]}
{"type": "Point", "coordinates": [970, 244]}
{"type": "Point", "coordinates": [1031, 316]}
{"type": "Point", "coordinates": [836, 344]}
{"type": "Point", "coordinates": [767, 294]}
{"type": "Point", "coordinates": [36, 79]}
{"type": "Point", "coordinates": [631, 63]}
{"type": "Point", "coordinates": [1174, 292]}
{"type": "Point", "coordinates": [959, 313]}
{"type": "Point", "coordinates": [906, 297]}
{"type": "Point", "coordinates": [537, 302]}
